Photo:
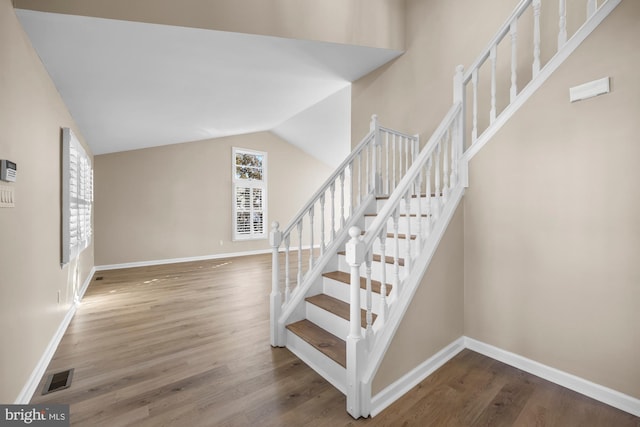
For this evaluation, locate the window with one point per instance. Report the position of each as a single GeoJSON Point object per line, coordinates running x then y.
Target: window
{"type": "Point", "coordinates": [249, 194]}
{"type": "Point", "coordinates": [77, 197]}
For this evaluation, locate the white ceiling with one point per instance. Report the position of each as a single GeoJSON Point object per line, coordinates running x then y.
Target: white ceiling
{"type": "Point", "coordinates": [132, 85]}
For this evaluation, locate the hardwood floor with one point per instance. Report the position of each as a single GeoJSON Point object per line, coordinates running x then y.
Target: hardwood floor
{"type": "Point", "coordinates": [188, 345]}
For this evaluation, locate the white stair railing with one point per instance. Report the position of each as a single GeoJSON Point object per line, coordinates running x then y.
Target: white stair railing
{"type": "Point", "coordinates": [478, 128]}
{"type": "Point", "coordinates": [435, 182]}
{"type": "Point", "coordinates": [303, 248]}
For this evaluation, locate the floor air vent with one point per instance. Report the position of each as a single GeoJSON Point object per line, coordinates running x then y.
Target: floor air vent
{"type": "Point", "coordinates": [58, 381]}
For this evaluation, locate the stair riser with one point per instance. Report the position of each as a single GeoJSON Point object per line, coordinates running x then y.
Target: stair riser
{"type": "Point", "coordinates": [323, 365]}
{"type": "Point", "coordinates": [413, 204]}
{"type": "Point", "coordinates": [376, 270]}
{"type": "Point", "coordinates": [341, 291]}
{"type": "Point", "coordinates": [402, 224]}
{"type": "Point", "coordinates": [328, 321]}
{"type": "Point", "coordinates": [390, 247]}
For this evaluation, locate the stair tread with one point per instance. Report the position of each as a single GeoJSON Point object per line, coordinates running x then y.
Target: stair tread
{"type": "Point", "coordinates": [328, 344]}
{"type": "Point", "coordinates": [400, 235]}
{"type": "Point", "coordinates": [343, 277]}
{"type": "Point", "coordinates": [377, 258]}
{"type": "Point", "coordinates": [387, 196]}
{"type": "Point", "coordinates": [337, 307]}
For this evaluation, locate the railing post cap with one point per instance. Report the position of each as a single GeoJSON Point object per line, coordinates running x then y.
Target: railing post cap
{"type": "Point", "coordinates": [275, 237]}
{"type": "Point", "coordinates": [355, 248]}
{"type": "Point", "coordinates": [459, 68]}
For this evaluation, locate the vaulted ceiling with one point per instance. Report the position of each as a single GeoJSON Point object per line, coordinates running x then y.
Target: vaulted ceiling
{"type": "Point", "coordinates": [132, 85]}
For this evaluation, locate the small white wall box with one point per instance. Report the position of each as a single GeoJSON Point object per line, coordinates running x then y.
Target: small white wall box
{"type": "Point", "coordinates": [589, 90]}
{"type": "Point", "coordinates": [8, 171]}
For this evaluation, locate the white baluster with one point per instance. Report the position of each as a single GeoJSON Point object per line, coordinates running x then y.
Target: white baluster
{"type": "Point", "coordinates": [394, 176]}
{"type": "Point", "coordinates": [287, 268]}
{"type": "Point", "coordinates": [350, 169]}
{"type": "Point", "coordinates": [275, 297]}
{"type": "Point", "coordinates": [419, 214]}
{"type": "Point", "coordinates": [311, 227]}
{"type": "Point", "coordinates": [438, 195]}
{"type": "Point", "coordinates": [493, 55]}
{"type": "Point", "coordinates": [474, 81]}
{"type": "Point", "coordinates": [332, 189]}
{"type": "Point", "coordinates": [382, 316]}
{"type": "Point", "coordinates": [396, 255]}
{"type": "Point", "coordinates": [455, 138]}
{"type": "Point", "coordinates": [342, 219]}
{"type": "Point", "coordinates": [322, 236]}
{"type": "Point", "coordinates": [429, 195]}
{"type": "Point", "coordinates": [355, 347]}
{"type": "Point", "coordinates": [386, 171]}
{"type": "Point", "coordinates": [359, 178]}
{"type": "Point", "coordinates": [562, 34]}
{"type": "Point", "coordinates": [513, 31]}
{"type": "Point", "coordinates": [445, 167]}
{"type": "Point", "coordinates": [536, 38]}
{"type": "Point", "coordinates": [299, 277]}
{"type": "Point", "coordinates": [407, 208]}
{"type": "Point", "coordinates": [368, 300]}
{"type": "Point", "coordinates": [591, 8]}
{"type": "Point", "coordinates": [367, 169]}
{"type": "Point", "coordinates": [406, 156]}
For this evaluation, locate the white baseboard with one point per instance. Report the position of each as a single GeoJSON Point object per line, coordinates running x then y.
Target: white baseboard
{"type": "Point", "coordinates": [179, 260]}
{"type": "Point", "coordinates": [34, 379]}
{"type": "Point", "coordinates": [595, 391]}
{"type": "Point", "coordinates": [399, 388]}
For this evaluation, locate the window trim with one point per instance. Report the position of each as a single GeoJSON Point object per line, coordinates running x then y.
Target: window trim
{"type": "Point", "coordinates": [72, 247]}
{"type": "Point", "coordinates": [249, 183]}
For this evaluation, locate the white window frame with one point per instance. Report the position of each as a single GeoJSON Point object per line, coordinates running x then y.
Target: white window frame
{"type": "Point", "coordinates": [77, 197]}
{"type": "Point", "coordinates": [252, 185]}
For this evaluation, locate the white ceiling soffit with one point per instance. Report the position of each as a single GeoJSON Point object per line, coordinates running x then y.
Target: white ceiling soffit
{"type": "Point", "coordinates": [134, 85]}
{"type": "Point", "coordinates": [309, 131]}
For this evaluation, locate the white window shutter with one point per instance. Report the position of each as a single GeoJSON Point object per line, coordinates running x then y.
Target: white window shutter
{"type": "Point", "coordinates": [77, 197]}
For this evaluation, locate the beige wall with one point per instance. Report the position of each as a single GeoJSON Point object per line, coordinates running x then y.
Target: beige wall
{"type": "Point", "coordinates": [552, 230]}
{"type": "Point", "coordinates": [175, 201]}
{"type": "Point", "coordinates": [435, 317]}
{"type": "Point", "coordinates": [374, 23]}
{"type": "Point", "coordinates": [31, 115]}
{"type": "Point", "coordinates": [551, 237]}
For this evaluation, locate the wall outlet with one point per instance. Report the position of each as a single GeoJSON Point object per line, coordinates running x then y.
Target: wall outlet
{"type": "Point", "coordinates": [221, 242]}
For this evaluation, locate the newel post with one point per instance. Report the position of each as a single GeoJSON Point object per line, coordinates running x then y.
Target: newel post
{"type": "Point", "coordinates": [355, 343]}
{"type": "Point", "coordinates": [376, 173]}
{"type": "Point", "coordinates": [275, 238]}
{"type": "Point", "coordinates": [459, 129]}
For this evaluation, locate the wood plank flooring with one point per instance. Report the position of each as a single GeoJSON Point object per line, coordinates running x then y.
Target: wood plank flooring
{"type": "Point", "coordinates": [188, 345]}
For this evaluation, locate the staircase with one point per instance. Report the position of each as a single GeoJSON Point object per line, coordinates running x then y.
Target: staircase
{"type": "Point", "coordinates": [346, 268]}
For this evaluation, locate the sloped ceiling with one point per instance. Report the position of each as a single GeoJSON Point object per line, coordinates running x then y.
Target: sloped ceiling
{"type": "Point", "coordinates": [134, 85]}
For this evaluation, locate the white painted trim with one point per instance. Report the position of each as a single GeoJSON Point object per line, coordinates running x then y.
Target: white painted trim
{"type": "Point", "coordinates": [34, 379]}
{"type": "Point", "coordinates": [595, 391]}
{"type": "Point", "coordinates": [395, 391]}
{"type": "Point", "coordinates": [179, 260]}
{"type": "Point", "coordinates": [571, 45]}
{"type": "Point", "coordinates": [85, 285]}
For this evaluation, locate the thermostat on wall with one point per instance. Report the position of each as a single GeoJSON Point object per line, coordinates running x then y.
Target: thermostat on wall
{"type": "Point", "coordinates": [8, 171]}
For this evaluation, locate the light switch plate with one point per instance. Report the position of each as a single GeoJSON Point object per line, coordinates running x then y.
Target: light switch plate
{"type": "Point", "coordinates": [589, 90]}
{"type": "Point", "coordinates": [7, 199]}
